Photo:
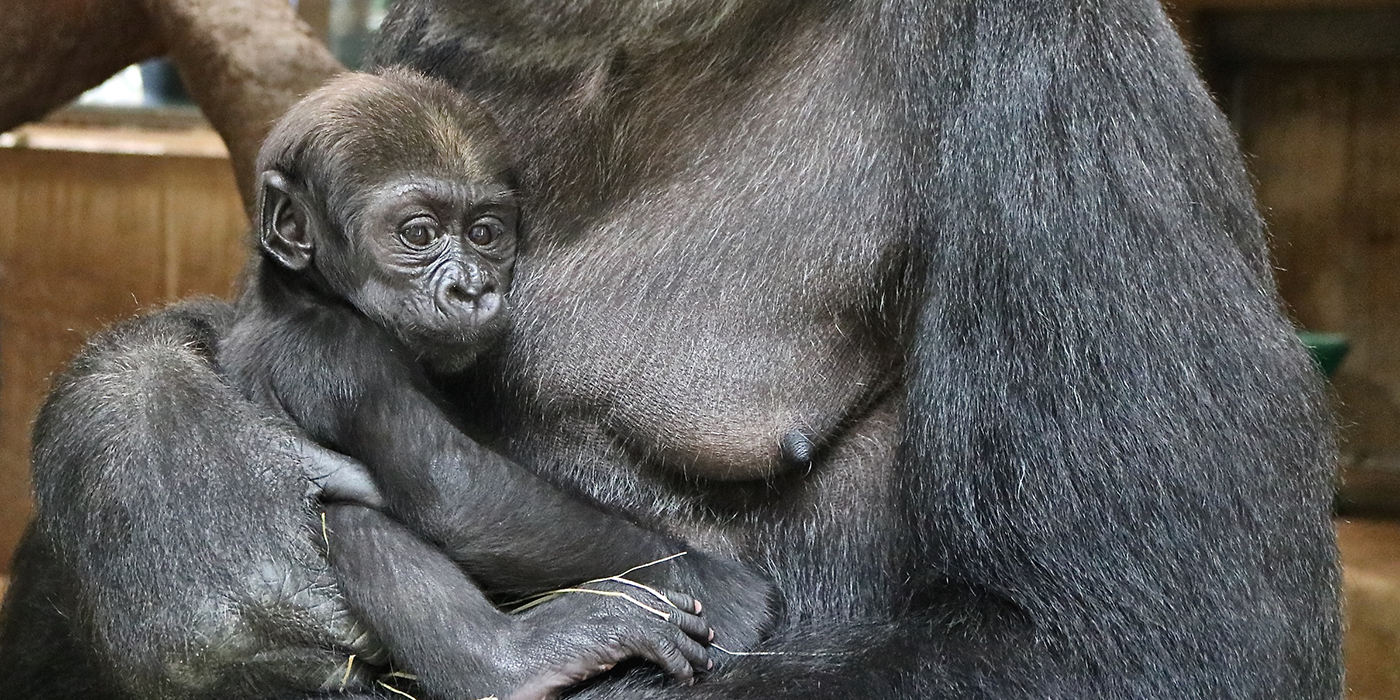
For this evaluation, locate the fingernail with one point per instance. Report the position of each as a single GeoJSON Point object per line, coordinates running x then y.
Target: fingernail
{"type": "Point", "coordinates": [709, 665]}
{"type": "Point", "coordinates": [712, 635]}
{"type": "Point", "coordinates": [698, 607]}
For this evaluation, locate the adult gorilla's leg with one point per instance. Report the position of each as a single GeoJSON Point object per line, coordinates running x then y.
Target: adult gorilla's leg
{"type": "Point", "coordinates": [174, 545]}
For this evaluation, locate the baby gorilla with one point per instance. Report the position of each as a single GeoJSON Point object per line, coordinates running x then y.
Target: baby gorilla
{"type": "Point", "coordinates": [387, 228]}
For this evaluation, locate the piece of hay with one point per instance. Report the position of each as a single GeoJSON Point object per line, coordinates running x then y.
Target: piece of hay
{"type": "Point", "coordinates": [547, 596]}
{"type": "Point", "coordinates": [349, 663]}
{"type": "Point", "coordinates": [394, 690]}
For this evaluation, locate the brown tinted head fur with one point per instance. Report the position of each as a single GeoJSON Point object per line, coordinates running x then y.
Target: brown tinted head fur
{"type": "Point", "coordinates": [361, 129]}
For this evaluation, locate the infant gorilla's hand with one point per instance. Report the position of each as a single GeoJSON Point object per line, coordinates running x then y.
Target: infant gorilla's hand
{"type": "Point", "coordinates": [588, 630]}
{"type": "Point", "coordinates": [333, 477]}
{"type": "Point", "coordinates": [739, 602]}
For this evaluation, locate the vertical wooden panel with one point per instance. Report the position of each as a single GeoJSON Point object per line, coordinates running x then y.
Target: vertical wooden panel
{"type": "Point", "coordinates": [15, 506]}
{"type": "Point", "coordinates": [1297, 132]}
{"type": "Point", "coordinates": [1324, 140]}
{"type": "Point", "coordinates": [1371, 585]}
{"type": "Point", "coordinates": [87, 239]}
{"type": "Point", "coordinates": [205, 227]}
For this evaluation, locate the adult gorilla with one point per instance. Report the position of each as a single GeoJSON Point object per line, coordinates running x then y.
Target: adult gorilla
{"type": "Point", "coordinates": [955, 318]}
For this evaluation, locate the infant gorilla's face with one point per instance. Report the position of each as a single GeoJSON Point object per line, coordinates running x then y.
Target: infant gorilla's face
{"type": "Point", "coordinates": [437, 257]}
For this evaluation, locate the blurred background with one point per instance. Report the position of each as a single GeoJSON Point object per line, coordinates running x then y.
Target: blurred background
{"type": "Point", "coordinates": [125, 200]}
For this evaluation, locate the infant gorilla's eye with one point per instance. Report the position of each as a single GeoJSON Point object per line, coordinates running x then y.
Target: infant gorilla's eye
{"type": "Point", "coordinates": [419, 233]}
{"type": "Point", "coordinates": [484, 231]}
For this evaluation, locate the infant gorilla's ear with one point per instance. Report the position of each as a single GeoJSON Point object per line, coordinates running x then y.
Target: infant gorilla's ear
{"type": "Point", "coordinates": [284, 222]}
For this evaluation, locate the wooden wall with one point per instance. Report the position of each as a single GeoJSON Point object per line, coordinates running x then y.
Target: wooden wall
{"type": "Point", "coordinates": [89, 238]}
{"type": "Point", "coordinates": [1325, 142]}
{"type": "Point", "coordinates": [1371, 583]}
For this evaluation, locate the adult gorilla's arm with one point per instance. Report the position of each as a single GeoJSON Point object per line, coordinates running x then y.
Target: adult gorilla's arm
{"type": "Point", "coordinates": [175, 552]}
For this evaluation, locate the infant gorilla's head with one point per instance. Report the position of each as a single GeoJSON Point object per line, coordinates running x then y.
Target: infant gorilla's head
{"type": "Point", "coordinates": [393, 192]}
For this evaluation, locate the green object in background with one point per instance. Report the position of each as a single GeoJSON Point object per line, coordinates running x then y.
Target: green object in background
{"type": "Point", "coordinates": [1327, 349]}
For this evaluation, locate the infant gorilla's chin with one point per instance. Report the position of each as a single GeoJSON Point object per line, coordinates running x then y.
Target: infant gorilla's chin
{"type": "Point", "coordinates": [445, 341]}
{"type": "Point", "coordinates": [452, 350]}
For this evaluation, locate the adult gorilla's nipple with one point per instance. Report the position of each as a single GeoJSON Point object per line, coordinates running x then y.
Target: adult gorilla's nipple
{"type": "Point", "coordinates": [797, 449]}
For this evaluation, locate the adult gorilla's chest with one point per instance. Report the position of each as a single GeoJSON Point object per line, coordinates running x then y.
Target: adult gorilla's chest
{"type": "Point", "coordinates": [711, 264]}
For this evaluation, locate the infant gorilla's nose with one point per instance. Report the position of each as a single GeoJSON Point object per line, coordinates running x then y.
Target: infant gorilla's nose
{"type": "Point", "coordinates": [471, 296]}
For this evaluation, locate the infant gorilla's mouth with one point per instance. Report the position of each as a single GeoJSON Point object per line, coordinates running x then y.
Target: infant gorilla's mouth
{"type": "Point", "coordinates": [463, 320]}
{"type": "Point", "coordinates": [468, 319]}
{"type": "Point", "coordinates": [457, 341]}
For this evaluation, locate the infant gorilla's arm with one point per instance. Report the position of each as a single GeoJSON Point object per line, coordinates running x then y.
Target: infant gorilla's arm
{"type": "Point", "coordinates": [512, 531]}
{"type": "Point", "coordinates": [459, 646]}
{"type": "Point", "coordinates": [382, 253]}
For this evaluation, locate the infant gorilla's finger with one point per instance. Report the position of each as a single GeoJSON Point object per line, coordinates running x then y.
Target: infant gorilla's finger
{"type": "Point", "coordinates": [694, 626]}
{"type": "Point", "coordinates": [334, 477]}
{"type": "Point", "coordinates": [678, 656]}
{"type": "Point", "coordinates": [683, 601]}
{"type": "Point", "coordinates": [696, 654]}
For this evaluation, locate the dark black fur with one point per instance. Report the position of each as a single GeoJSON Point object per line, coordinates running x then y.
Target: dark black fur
{"type": "Point", "coordinates": [152, 567]}
{"type": "Point", "coordinates": [997, 262]}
